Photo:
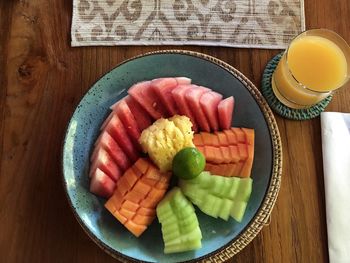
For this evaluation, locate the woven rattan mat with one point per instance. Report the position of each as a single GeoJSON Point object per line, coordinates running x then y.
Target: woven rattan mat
{"type": "Point", "coordinates": [235, 23]}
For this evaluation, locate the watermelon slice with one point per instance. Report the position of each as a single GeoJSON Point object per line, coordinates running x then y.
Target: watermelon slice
{"type": "Point", "coordinates": [192, 98]}
{"type": "Point", "coordinates": [112, 147]}
{"type": "Point", "coordinates": [105, 163]}
{"type": "Point", "coordinates": [101, 184]}
{"type": "Point", "coordinates": [116, 129]}
{"type": "Point", "coordinates": [183, 80]}
{"type": "Point", "coordinates": [225, 111]}
{"type": "Point", "coordinates": [145, 96]}
{"type": "Point", "coordinates": [209, 102]}
{"type": "Point", "coordinates": [106, 121]}
{"type": "Point", "coordinates": [128, 120]}
{"type": "Point", "coordinates": [143, 119]}
{"type": "Point", "coordinates": [163, 87]}
{"type": "Point", "coordinates": [180, 100]}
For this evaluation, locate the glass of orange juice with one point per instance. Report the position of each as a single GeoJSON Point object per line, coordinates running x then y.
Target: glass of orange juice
{"type": "Point", "coordinates": [316, 63]}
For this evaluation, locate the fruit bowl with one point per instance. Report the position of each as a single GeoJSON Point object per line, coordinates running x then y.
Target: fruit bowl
{"type": "Point", "coordinates": [221, 239]}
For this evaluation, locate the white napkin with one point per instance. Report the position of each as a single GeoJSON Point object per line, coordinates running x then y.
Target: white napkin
{"type": "Point", "coordinates": [336, 165]}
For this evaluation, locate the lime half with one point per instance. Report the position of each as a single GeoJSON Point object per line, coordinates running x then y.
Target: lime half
{"type": "Point", "coordinates": [188, 163]}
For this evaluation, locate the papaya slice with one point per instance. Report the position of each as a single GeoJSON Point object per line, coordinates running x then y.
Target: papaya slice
{"type": "Point", "coordinates": [233, 153]}
{"type": "Point", "coordinates": [240, 135]}
{"type": "Point", "coordinates": [210, 139]}
{"type": "Point", "coordinates": [137, 194]}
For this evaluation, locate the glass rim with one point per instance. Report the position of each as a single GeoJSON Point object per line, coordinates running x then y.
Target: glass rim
{"type": "Point", "coordinates": [319, 30]}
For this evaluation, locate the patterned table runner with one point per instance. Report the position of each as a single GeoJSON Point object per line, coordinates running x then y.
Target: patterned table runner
{"type": "Point", "coordinates": [233, 23]}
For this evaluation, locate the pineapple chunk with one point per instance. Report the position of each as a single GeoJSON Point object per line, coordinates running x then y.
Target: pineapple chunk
{"type": "Point", "coordinates": [185, 126]}
{"type": "Point", "coordinates": [164, 138]}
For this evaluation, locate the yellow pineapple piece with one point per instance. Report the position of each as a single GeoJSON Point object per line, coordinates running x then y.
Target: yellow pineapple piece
{"type": "Point", "coordinates": [164, 138]}
{"type": "Point", "coordinates": [185, 125]}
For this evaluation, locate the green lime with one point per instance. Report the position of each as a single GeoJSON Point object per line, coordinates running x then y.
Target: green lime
{"type": "Point", "coordinates": [188, 163]}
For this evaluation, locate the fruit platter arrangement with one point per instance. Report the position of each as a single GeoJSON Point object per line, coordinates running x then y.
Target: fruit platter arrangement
{"type": "Point", "coordinates": [172, 156]}
{"type": "Point", "coordinates": [165, 128]}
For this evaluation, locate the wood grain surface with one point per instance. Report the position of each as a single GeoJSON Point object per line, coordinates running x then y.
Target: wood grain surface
{"type": "Point", "coordinates": [41, 81]}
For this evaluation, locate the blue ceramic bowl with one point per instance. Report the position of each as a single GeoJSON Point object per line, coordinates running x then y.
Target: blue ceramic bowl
{"type": "Point", "coordinates": [221, 239]}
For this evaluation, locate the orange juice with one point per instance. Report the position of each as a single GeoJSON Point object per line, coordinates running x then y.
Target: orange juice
{"type": "Point", "coordinates": [312, 67]}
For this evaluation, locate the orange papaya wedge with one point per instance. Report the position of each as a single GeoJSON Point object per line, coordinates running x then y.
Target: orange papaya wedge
{"type": "Point", "coordinates": [137, 194]}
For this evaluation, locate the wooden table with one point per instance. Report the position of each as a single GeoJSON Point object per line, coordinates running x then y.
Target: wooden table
{"type": "Point", "coordinates": [41, 81]}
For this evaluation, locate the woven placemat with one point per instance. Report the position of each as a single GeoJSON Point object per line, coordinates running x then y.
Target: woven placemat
{"type": "Point", "coordinates": [277, 106]}
{"type": "Point", "coordinates": [239, 23]}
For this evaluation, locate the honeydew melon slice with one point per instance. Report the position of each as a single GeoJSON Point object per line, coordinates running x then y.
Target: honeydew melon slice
{"type": "Point", "coordinates": [235, 183]}
{"type": "Point", "coordinates": [189, 221]}
{"type": "Point", "coordinates": [195, 194]}
{"type": "Point", "coordinates": [238, 210]}
{"type": "Point", "coordinates": [168, 236]}
{"type": "Point", "coordinates": [188, 227]}
{"type": "Point", "coordinates": [244, 190]}
{"type": "Point", "coordinates": [164, 211]}
{"type": "Point", "coordinates": [204, 179]}
{"type": "Point", "coordinates": [170, 228]}
{"type": "Point", "coordinates": [194, 244]}
{"type": "Point", "coordinates": [225, 209]}
{"type": "Point", "coordinates": [185, 212]}
{"type": "Point", "coordinates": [179, 203]}
{"type": "Point", "coordinates": [195, 234]}
{"type": "Point", "coordinates": [169, 220]}
{"type": "Point", "coordinates": [211, 205]}
{"type": "Point", "coordinates": [180, 227]}
{"type": "Point", "coordinates": [230, 187]}
{"type": "Point", "coordinates": [218, 184]}
{"type": "Point", "coordinates": [219, 196]}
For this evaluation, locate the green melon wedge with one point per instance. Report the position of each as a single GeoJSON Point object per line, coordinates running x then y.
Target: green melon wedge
{"type": "Point", "coordinates": [211, 205]}
{"type": "Point", "coordinates": [238, 210]}
{"type": "Point", "coordinates": [195, 244]}
{"type": "Point", "coordinates": [170, 235]}
{"type": "Point", "coordinates": [219, 196]}
{"type": "Point", "coordinates": [218, 185]}
{"type": "Point", "coordinates": [225, 209]}
{"type": "Point", "coordinates": [204, 180]}
{"type": "Point", "coordinates": [244, 190]}
{"type": "Point", "coordinates": [180, 227]}
{"type": "Point", "coordinates": [232, 192]}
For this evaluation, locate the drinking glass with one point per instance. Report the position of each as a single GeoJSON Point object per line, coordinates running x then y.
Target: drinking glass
{"type": "Point", "coordinates": [316, 63]}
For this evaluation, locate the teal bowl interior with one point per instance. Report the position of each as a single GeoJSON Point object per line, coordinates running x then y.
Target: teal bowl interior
{"type": "Point", "coordinates": [83, 130]}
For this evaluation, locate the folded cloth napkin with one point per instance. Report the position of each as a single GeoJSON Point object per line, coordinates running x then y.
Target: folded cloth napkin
{"type": "Point", "coordinates": [336, 165]}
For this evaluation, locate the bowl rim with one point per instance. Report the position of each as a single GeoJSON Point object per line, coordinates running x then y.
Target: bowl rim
{"type": "Point", "coordinates": [262, 216]}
